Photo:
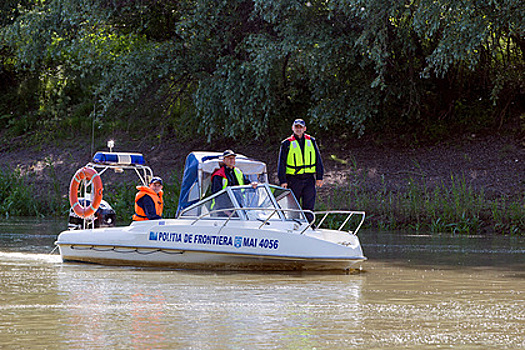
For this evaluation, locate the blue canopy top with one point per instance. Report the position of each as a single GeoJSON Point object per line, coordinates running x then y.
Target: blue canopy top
{"type": "Point", "coordinates": [197, 175]}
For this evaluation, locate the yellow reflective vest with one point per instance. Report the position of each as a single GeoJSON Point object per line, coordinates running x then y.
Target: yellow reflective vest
{"type": "Point", "coordinates": [297, 163]}
{"type": "Point", "coordinates": [222, 173]}
{"type": "Point", "coordinates": [238, 175]}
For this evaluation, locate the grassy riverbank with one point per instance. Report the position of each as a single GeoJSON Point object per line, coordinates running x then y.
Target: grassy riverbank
{"type": "Point", "coordinates": [455, 207]}
{"type": "Point", "coordinates": [19, 197]}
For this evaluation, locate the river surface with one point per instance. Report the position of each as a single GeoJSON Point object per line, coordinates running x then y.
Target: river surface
{"type": "Point", "coordinates": [414, 292]}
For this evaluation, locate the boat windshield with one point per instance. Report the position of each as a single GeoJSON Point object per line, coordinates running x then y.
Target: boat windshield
{"type": "Point", "coordinates": [286, 201]}
{"type": "Point", "coordinates": [265, 202]}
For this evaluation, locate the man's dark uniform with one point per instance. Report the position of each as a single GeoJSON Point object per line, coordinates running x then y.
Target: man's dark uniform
{"type": "Point", "coordinates": [301, 178]}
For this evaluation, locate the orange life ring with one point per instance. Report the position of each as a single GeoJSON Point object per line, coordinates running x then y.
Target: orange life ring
{"type": "Point", "coordinates": [87, 174]}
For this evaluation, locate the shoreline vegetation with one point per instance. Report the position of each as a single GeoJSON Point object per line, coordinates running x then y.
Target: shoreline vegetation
{"type": "Point", "coordinates": [454, 209]}
{"type": "Point", "coordinates": [418, 107]}
{"type": "Point", "coordinates": [450, 206]}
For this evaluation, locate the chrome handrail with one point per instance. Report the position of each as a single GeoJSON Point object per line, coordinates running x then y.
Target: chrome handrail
{"type": "Point", "coordinates": [232, 211]}
{"type": "Point", "coordinates": [350, 214]}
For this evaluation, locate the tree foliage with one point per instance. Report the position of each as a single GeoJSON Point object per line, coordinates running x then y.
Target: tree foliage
{"type": "Point", "coordinates": [236, 66]}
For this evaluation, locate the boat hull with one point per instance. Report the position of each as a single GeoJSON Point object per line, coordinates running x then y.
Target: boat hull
{"type": "Point", "coordinates": [200, 260]}
{"type": "Point", "coordinates": [176, 244]}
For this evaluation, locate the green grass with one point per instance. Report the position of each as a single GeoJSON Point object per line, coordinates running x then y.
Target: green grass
{"type": "Point", "coordinates": [453, 208]}
{"type": "Point", "coordinates": [16, 196]}
{"type": "Point", "coordinates": [121, 197]}
{"type": "Point", "coordinates": [19, 198]}
{"type": "Point", "coordinates": [443, 208]}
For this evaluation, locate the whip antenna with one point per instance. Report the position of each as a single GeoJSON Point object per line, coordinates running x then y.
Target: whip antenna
{"type": "Point", "coordinates": [93, 129]}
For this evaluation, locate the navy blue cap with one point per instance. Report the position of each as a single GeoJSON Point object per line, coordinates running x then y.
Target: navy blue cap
{"type": "Point", "coordinates": [299, 122]}
{"type": "Point", "coordinates": [156, 179]}
{"type": "Point", "coordinates": [228, 153]}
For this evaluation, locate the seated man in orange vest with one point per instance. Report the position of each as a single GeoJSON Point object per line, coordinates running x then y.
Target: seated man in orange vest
{"type": "Point", "coordinates": [148, 202]}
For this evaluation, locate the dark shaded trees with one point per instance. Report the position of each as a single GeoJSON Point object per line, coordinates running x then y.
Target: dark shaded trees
{"type": "Point", "coordinates": [236, 66]}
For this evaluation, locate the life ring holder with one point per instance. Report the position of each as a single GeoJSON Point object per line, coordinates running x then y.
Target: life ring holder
{"type": "Point", "coordinates": [93, 178]}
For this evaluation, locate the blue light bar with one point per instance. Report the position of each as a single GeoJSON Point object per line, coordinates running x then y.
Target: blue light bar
{"type": "Point", "coordinates": [117, 158]}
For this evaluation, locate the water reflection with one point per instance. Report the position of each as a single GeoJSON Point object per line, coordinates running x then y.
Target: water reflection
{"type": "Point", "coordinates": [445, 251]}
{"type": "Point", "coordinates": [415, 292]}
{"type": "Point", "coordinates": [108, 307]}
{"type": "Point", "coordinates": [29, 234]}
{"type": "Point", "coordinates": [459, 308]}
{"type": "Point", "coordinates": [202, 310]}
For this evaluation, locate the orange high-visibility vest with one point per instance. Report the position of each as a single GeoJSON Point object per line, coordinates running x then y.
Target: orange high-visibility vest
{"type": "Point", "coordinates": [140, 215]}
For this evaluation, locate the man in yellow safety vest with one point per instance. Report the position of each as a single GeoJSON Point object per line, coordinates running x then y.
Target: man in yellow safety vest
{"type": "Point", "coordinates": [300, 166]}
{"type": "Point", "coordinates": [227, 175]}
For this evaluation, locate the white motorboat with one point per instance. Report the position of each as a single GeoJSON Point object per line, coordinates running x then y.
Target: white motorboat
{"type": "Point", "coordinates": [238, 228]}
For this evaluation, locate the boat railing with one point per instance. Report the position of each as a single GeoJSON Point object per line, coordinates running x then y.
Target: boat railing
{"type": "Point", "coordinates": [349, 214]}
{"type": "Point", "coordinates": [230, 213]}
{"type": "Point", "coordinates": [143, 172]}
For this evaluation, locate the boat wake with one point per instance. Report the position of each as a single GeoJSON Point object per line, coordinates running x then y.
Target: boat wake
{"type": "Point", "coordinates": [18, 256]}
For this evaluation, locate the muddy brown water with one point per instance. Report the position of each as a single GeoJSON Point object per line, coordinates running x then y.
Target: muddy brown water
{"type": "Point", "coordinates": [414, 292]}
